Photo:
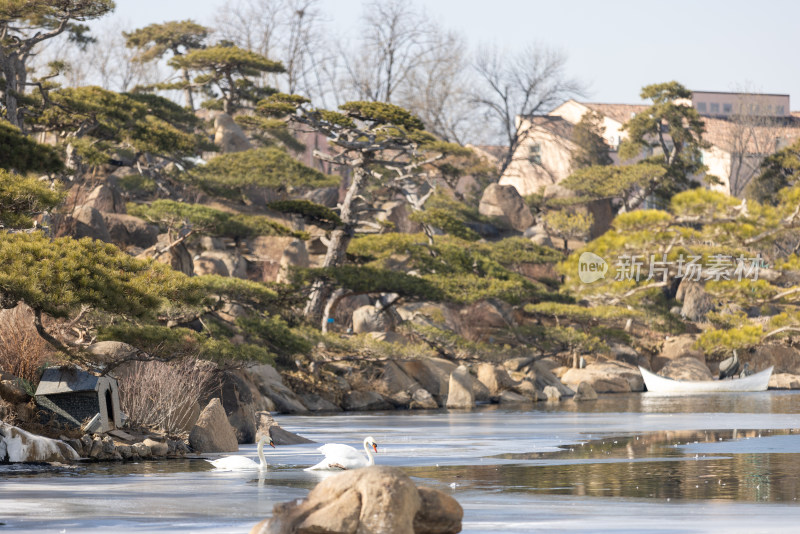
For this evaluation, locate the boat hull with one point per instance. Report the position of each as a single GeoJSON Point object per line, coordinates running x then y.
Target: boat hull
{"type": "Point", "coordinates": [659, 384]}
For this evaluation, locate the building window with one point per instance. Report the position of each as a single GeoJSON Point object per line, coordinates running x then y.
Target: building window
{"type": "Point", "coordinates": [727, 108]}
{"type": "Point", "coordinates": [714, 107]}
{"type": "Point", "coordinates": [535, 154]}
{"type": "Point", "coordinates": [701, 107]}
{"type": "Point", "coordinates": [780, 110]}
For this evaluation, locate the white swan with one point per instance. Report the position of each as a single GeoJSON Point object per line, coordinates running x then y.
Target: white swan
{"type": "Point", "coordinates": [339, 457]}
{"type": "Point", "coordinates": [243, 463]}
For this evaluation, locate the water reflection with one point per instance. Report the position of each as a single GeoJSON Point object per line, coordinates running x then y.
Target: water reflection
{"type": "Point", "coordinates": [759, 402]}
{"type": "Point", "coordinates": [660, 465]}
{"type": "Point", "coordinates": [110, 469]}
{"type": "Point", "coordinates": [523, 469]}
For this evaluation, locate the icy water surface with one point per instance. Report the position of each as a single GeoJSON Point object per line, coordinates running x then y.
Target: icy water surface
{"type": "Point", "coordinates": [626, 463]}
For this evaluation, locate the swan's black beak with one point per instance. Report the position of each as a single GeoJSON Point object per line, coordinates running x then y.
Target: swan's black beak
{"type": "Point", "coordinates": [375, 446]}
{"type": "Point", "coordinates": [271, 444]}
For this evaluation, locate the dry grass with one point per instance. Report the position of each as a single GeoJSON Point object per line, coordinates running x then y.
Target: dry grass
{"type": "Point", "coordinates": [23, 352]}
{"type": "Point", "coordinates": [163, 395]}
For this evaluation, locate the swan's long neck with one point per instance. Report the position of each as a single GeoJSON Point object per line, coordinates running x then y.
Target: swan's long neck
{"type": "Point", "coordinates": [370, 458]}
{"type": "Point", "coordinates": [263, 461]}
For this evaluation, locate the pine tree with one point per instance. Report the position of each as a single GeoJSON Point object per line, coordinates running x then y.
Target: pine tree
{"type": "Point", "coordinates": [25, 24]}
{"type": "Point", "coordinates": [21, 154]}
{"type": "Point", "coordinates": [228, 70]}
{"type": "Point", "coordinates": [174, 37]}
{"type": "Point", "coordinates": [95, 123]}
{"type": "Point", "coordinates": [376, 141]}
{"type": "Point", "coordinates": [672, 132]}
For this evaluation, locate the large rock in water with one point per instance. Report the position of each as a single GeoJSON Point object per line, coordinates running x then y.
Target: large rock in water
{"type": "Point", "coordinates": [240, 399]}
{"type": "Point", "coordinates": [265, 424]}
{"type": "Point", "coordinates": [17, 445]}
{"type": "Point", "coordinates": [585, 392]}
{"type": "Point", "coordinates": [460, 393]}
{"type": "Point", "coordinates": [504, 203]}
{"type": "Point", "coordinates": [373, 500]}
{"type": "Point", "coordinates": [213, 432]}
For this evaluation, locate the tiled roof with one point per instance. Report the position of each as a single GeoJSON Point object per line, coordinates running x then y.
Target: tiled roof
{"type": "Point", "coordinates": [557, 125]}
{"type": "Point", "coordinates": [621, 113]}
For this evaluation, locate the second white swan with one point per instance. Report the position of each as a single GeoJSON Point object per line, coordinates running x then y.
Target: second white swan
{"type": "Point", "coordinates": [339, 457]}
{"type": "Point", "coordinates": [243, 463]}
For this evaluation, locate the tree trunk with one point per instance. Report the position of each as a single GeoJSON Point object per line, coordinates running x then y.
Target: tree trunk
{"type": "Point", "coordinates": [15, 76]}
{"type": "Point", "coordinates": [187, 92]}
{"type": "Point", "coordinates": [330, 307]}
{"type": "Point", "coordinates": [337, 246]}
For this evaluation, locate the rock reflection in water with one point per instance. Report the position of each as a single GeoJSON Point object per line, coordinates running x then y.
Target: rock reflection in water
{"type": "Point", "coordinates": [653, 465]}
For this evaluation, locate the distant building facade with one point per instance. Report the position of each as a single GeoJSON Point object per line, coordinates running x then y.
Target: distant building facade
{"type": "Point", "coordinates": [742, 129]}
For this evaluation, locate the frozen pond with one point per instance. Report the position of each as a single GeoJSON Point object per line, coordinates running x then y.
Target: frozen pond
{"type": "Point", "coordinates": [626, 463]}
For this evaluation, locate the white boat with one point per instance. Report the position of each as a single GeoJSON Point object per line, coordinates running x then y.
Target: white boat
{"type": "Point", "coordinates": [660, 384]}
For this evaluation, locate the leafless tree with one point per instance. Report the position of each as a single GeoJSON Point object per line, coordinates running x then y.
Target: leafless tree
{"type": "Point", "coordinates": [286, 30]}
{"type": "Point", "coordinates": [251, 24]}
{"type": "Point", "coordinates": [396, 39]}
{"type": "Point", "coordinates": [436, 90]}
{"type": "Point", "coordinates": [533, 81]}
{"type": "Point", "coordinates": [107, 62]}
{"type": "Point", "coordinates": [748, 136]}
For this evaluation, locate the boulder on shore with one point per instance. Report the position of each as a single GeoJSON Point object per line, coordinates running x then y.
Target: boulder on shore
{"type": "Point", "coordinates": [495, 378]}
{"type": "Point", "coordinates": [357, 401]}
{"type": "Point", "coordinates": [606, 377]}
{"type": "Point", "coordinates": [784, 381]}
{"type": "Point", "coordinates": [686, 368]}
{"type": "Point", "coordinates": [270, 384]}
{"type": "Point", "coordinates": [585, 392]}
{"type": "Point", "coordinates": [460, 393]}
{"type": "Point", "coordinates": [377, 499]}
{"type": "Point", "coordinates": [676, 347]}
{"type": "Point", "coordinates": [213, 432]}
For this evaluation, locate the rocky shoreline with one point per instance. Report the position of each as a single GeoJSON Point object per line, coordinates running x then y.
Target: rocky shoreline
{"type": "Point", "coordinates": [240, 405]}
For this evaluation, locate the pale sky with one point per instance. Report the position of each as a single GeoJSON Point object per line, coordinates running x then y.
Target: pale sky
{"type": "Point", "coordinates": [613, 46]}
